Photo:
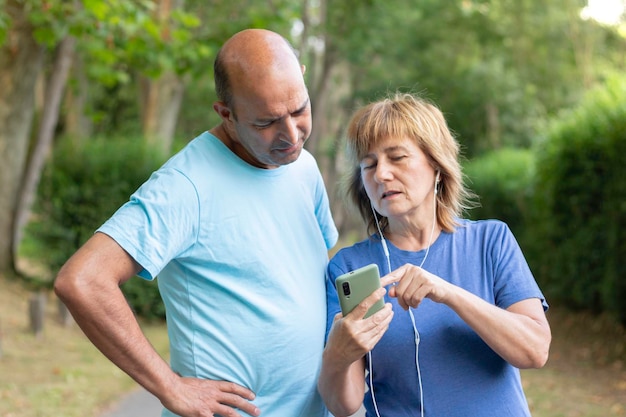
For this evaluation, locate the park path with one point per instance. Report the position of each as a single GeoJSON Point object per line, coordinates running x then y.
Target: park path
{"type": "Point", "coordinates": [139, 403]}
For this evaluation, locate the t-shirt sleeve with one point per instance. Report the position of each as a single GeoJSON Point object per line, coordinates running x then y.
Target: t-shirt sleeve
{"type": "Point", "coordinates": [323, 213]}
{"type": "Point", "coordinates": [332, 300]}
{"type": "Point", "coordinates": [514, 280]}
{"type": "Point", "coordinates": [158, 223]}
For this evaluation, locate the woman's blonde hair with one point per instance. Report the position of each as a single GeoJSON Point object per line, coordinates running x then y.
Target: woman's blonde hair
{"type": "Point", "coordinates": [407, 115]}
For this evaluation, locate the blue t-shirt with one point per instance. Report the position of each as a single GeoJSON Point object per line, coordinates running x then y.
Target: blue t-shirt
{"type": "Point", "coordinates": [240, 253]}
{"type": "Point", "coordinates": [461, 375]}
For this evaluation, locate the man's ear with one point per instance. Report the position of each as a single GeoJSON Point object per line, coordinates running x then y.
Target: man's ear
{"type": "Point", "coordinates": [303, 67]}
{"type": "Point", "coordinates": [223, 111]}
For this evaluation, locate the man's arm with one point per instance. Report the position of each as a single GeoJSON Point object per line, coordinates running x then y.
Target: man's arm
{"type": "Point", "coordinates": [89, 285]}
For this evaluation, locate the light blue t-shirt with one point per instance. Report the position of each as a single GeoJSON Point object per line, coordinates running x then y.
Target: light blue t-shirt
{"type": "Point", "coordinates": [461, 375]}
{"type": "Point", "coordinates": [240, 253]}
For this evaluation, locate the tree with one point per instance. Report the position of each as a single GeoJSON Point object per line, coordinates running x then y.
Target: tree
{"type": "Point", "coordinates": [30, 26]}
{"type": "Point", "coordinates": [43, 142]}
{"type": "Point", "coordinates": [494, 67]}
{"type": "Point", "coordinates": [21, 60]}
{"type": "Point", "coordinates": [156, 48]}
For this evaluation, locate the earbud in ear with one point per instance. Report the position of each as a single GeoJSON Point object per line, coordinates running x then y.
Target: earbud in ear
{"type": "Point", "coordinates": [437, 183]}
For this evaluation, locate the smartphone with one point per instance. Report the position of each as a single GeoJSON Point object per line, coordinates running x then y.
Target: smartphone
{"type": "Point", "coordinates": [354, 286]}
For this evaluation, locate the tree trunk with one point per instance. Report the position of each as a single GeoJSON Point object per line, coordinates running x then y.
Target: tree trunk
{"type": "Point", "coordinates": [329, 78]}
{"type": "Point", "coordinates": [162, 97]}
{"type": "Point", "coordinates": [49, 119]}
{"type": "Point", "coordinates": [161, 101]}
{"type": "Point", "coordinates": [77, 124]}
{"type": "Point", "coordinates": [21, 60]}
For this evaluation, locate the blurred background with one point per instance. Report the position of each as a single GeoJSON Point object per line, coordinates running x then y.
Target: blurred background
{"type": "Point", "coordinates": [95, 95]}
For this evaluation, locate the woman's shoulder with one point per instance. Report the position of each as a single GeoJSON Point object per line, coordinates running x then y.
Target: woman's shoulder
{"type": "Point", "coordinates": [352, 256]}
{"type": "Point", "coordinates": [360, 245]}
{"type": "Point", "coordinates": [481, 225]}
{"type": "Point", "coordinates": [481, 229]}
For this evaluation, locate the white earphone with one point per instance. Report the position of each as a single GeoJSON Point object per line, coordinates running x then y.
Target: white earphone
{"type": "Point", "coordinates": [416, 333]}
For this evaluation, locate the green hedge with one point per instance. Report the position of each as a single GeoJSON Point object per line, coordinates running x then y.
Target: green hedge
{"type": "Point", "coordinates": [580, 201]}
{"type": "Point", "coordinates": [565, 201]}
{"type": "Point", "coordinates": [502, 180]}
{"type": "Point", "coordinates": [81, 187]}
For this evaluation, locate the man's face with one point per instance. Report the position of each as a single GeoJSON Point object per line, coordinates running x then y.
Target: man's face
{"type": "Point", "coordinates": [272, 121]}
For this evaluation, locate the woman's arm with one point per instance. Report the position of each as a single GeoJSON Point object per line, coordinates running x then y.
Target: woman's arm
{"type": "Point", "coordinates": [520, 334]}
{"type": "Point", "coordinates": [341, 387]}
{"type": "Point", "coordinates": [341, 382]}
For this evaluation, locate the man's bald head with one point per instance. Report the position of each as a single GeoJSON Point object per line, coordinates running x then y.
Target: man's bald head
{"type": "Point", "coordinates": [250, 57]}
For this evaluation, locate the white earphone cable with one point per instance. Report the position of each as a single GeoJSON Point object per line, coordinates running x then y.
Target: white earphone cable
{"type": "Point", "coordinates": [416, 333]}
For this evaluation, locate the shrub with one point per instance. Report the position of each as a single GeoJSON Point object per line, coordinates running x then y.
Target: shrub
{"type": "Point", "coordinates": [580, 190]}
{"type": "Point", "coordinates": [502, 180]}
{"type": "Point", "coordinates": [81, 187]}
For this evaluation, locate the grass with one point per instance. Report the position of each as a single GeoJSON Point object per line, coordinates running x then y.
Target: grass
{"type": "Point", "coordinates": [59, 373]}
{"type": "Point", "coordinates": [586, 372]}
{"type": "Point", "coordinates": [62, 374]}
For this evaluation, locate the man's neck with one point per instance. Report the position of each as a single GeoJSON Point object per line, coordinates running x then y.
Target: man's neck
{"type": "Point", "coordinates": [235, 147]}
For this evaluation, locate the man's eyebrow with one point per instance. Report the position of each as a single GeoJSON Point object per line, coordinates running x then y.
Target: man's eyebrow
{"type": "Point", "coordinates": [304, 105]}
{"type": "Point", "coordinates": [300, 109]}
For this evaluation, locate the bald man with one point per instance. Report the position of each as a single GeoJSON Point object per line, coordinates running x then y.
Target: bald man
{"type": "Point", "coordinates": [237, 227]}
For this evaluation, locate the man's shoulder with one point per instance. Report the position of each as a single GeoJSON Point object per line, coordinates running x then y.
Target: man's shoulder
{"type": "Point", "coordinates": [305, 161]}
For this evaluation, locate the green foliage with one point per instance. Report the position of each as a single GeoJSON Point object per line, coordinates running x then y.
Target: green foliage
{"type": "Point", "coordinates": [121, 35]}
{"type": "Point", "coordinates": [580, 222]}
{"type": "Point", "coordinates": [503, 181]}
{"type": "Point", "coordinates": [221, 20]}
{"type": "Point", "coordinates": [144, 298]}
{"type": "Point", "coordinates": [115, 109]}
{"type": "Point", "coordinates": [81, 187]}
{"type": "Point", "coordinates": [122, 41]}
{"type": "Point", "coordinates": [52, 20]}
{"type": "Point", "coordinates": [4, 22]}
{"type": "Point", "coordinates": [494, 68]}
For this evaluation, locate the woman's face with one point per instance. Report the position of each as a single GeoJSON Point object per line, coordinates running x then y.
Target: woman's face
{"type": "Point", "coordinates": [398, 178]}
